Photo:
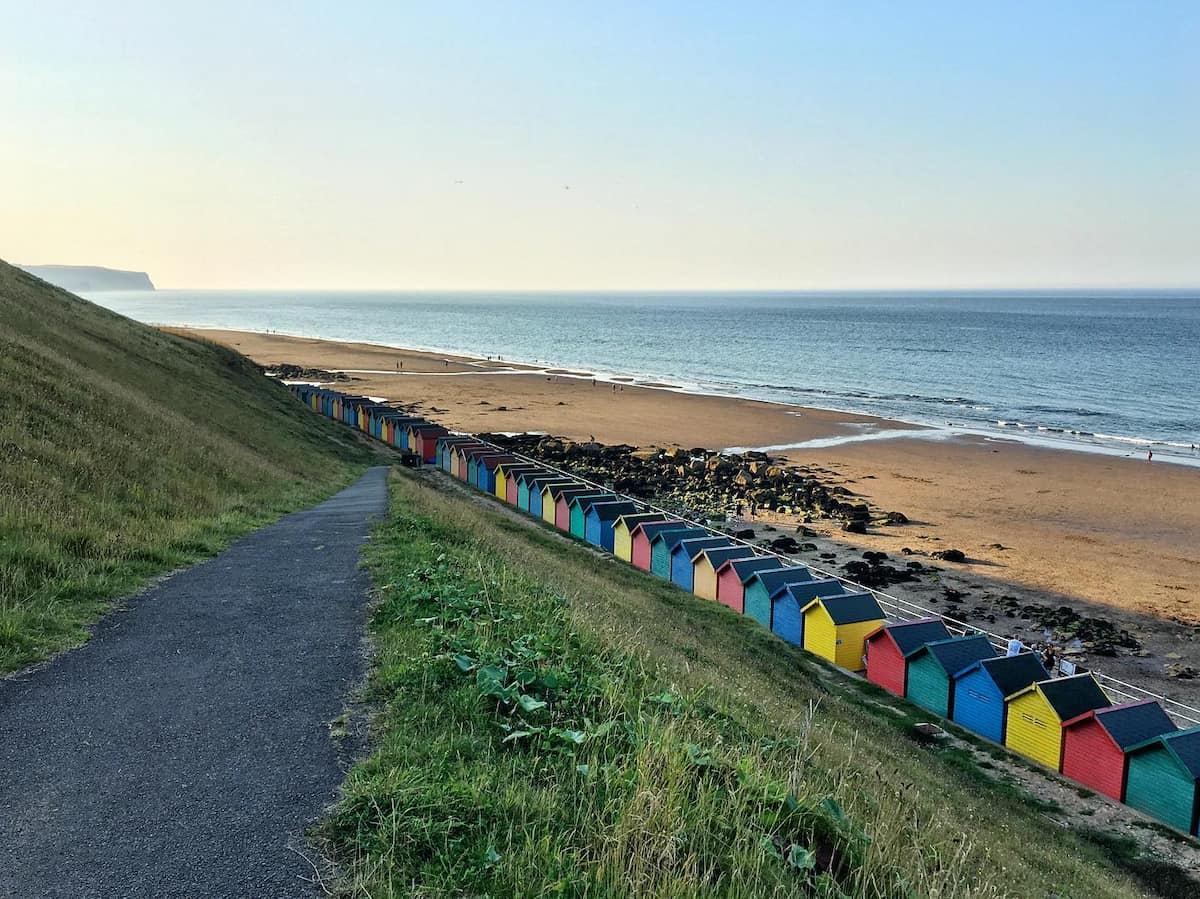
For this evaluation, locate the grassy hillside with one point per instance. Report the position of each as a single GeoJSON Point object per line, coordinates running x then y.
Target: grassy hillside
{"type": "Point", "coordinates": [552, 722]}
{"type": "Point", "coordinates": [125, 452]}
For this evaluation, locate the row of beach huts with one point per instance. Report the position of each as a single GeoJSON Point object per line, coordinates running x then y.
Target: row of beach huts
{"type": "Point", "coordinates": [1130, 752]}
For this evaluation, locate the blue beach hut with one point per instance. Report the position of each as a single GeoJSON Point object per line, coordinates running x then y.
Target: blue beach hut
{"type": "Point", "coordinates": [599, 518]}
{"type": "Point", "coordinates": [682, 572]}
{"type": "Point", "coordinates": [981, 688]}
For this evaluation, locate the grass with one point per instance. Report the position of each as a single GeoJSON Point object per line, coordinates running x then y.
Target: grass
{"type": "Point", "coordinates": [551, 722]}
{"type": "Point", "coordinates": [126, 452]}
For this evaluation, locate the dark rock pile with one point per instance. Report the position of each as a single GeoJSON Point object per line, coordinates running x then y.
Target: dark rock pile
{"type": "Point", "coordinates": [288, 372]}
{"type": "Point", "coordinates": [708, 483]}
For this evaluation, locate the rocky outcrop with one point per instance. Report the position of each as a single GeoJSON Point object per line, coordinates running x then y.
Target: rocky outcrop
{"type": "Point", "coordinates": [711, 484]}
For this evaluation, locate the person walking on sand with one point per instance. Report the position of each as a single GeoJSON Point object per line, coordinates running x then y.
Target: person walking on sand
{"type": "Point", "coordinates": [753, 508]}
{"type": "Point", "coordinates": [1149, 455]}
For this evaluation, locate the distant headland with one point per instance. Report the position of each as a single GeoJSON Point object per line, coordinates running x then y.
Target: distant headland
{"type": "Point", "coordinates": [77, 278]}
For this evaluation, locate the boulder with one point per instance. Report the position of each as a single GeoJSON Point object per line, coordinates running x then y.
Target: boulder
{"type": "Point", "coordinates": [950, 555]}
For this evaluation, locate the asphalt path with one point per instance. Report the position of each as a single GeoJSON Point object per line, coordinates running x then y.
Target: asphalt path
{"type": "Point", "coordinates": [184, 750]}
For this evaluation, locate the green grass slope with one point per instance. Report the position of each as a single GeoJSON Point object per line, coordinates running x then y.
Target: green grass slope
{"type": "Point", "coordinates": [125, 452]}
{"type": "Point", "coordinates": [549, 722]}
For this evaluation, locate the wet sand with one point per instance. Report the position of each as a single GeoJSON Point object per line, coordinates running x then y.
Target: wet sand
{"type": "Point", "coordinates": [1117, 533]}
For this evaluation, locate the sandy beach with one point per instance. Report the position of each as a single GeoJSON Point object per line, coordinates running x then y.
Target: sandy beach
{"type": "Point", "coordinates": [1108, 535]}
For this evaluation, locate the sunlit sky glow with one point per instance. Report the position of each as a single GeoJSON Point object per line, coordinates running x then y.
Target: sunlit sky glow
{"type": "Point", "coordinates": [757, 145]}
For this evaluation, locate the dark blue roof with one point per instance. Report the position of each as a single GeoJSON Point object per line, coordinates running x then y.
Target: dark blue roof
{"type": "Point", "coordinates": [719, 556]}
{"type": "Point", "coordinates": [611, 511]}
{"type": "Point", "coordinates": [957, 653]}
{"type": "Point", "coordinates": [1011, 673]}
{"type": "Point", "coordinates": [1071, 696]}
{"type": "Point", "coordinates": [806, 591]}
{"type": "Point", "coordinates": [774, 578]}
{"type": "Point", "coordinates": [1135, 722]}
{"type": "Point", "coordinates": [631, 521]}
{"type": "Point", "coordinates": [653, 528]}
{"type": "Point", "coordinates": [1184, 745]}
{"type": "Point", "coordinates": [910, 636]}
{"type": "Point", "coordinates": [586, 499]}
{"type": "Point", "coordinates": [746, 568]}
{"type": "Point", "coordinates": [672, 538]}
{"type": "Point", "coordinates": [851, 608]}
{"type": "Point", "coordinates": [693, 546]}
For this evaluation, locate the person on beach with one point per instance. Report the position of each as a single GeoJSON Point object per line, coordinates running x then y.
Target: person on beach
{"type": "Point", "coordinates": [739, 510]}
{"type": "Point", "coordinates": [1149, 455]}
{"type": "Point", "coordinates": [753, 508]}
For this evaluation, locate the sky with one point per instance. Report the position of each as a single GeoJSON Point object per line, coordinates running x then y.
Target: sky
{"type": "Point", "coordinates": [555, 146]}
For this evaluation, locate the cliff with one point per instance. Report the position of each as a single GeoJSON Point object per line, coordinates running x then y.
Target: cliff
{"type": "Point", "coordinates": [76, 278]}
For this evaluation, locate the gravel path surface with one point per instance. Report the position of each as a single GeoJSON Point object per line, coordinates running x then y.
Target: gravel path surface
{"type": "Point", "coordinates": [183, 751]}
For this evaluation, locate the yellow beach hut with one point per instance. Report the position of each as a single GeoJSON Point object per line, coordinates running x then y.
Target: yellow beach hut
{"type": "Point", "coordinates": [705, 565]}
{"type": "Point", "coordinates": [836, 627]}
{"type": "Point", "coordinates": [1036, 714]}
{"type": "Point", "coordinates": [623, 532]}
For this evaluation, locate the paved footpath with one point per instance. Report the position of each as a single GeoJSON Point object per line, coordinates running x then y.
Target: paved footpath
{"type": "Point", "coordinates": [183, 751]}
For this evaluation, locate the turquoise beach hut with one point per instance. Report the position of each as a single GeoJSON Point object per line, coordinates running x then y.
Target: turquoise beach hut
{"type": "Point", "coordinates": [762, 584]}
{"type": "Point", "coordinates": [578, 506]}
{"type": "Point", "coordinates": [664, 542]}
{"type": "Point", "coordinates": [599, 518]}
{"type": "Point", "coordinates": [1164, 779]}
{"type": "Point", "coordinates": [932, 666]}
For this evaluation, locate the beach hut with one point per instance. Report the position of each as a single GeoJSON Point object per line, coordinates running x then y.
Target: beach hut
{"type": "Point", "coordinates": [706, 563]}
{"type": "Point", "coordinates": [578, 506]}
{"type": "Point", "coordinates": [1096, 744]}
{"type": "Point", "coordinates": [475, 465]}
{"type": "Point", "coordinates": [1037, 712]}
{"type": "Point", "coordinates": [530, 484]}
{"type": "Point", "coordinates": [623, 532]}
{"type": "Point", "coordinates": [980, 691]}
{"type": "Point", "coordinates": [551, 493]}
{"type": "Point", "coordinates": [733, 575]}
{"type": "Point", "coordinates": [786, 603]}
{"type": "Point", "coordinates": [1164, 779]}
{"type": "Point", "coordinates": [511, 475]}
{"type": "Point", "coordinates": [664, 544]}
{"type": "Point", "coordinates": [641, 538]}
{"type": "Point", "coordinates": [486, 471]}
{"type": "Point", "coordinates": [423, 441]}
{"type": "Point", "coordinates": [932, 666]}
{"type": "Point", "coordinates": [888, 649]}
{"type": "Point", "coordinates": [562, 505]}
{"type": "Point", "coordinates": [599, 519]}
{"type": "Point", "coordinates": [540, 500]}
{"type": "Point", "coordinates": [836, 627]}
{"type": "Point", "coordinates": [458, 458]}
{"type": "Point", "coordinates": [471, 454]}
{"type": "Point", "coordinates": [444, 446]}
{"type": "Point", "coordinates": [758, 589]}
{"type": "Point", "coordinates": [687, 550]}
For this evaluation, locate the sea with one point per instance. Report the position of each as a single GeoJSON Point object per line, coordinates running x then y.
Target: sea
{"type": "Point", "coordinates": [1116, 372]}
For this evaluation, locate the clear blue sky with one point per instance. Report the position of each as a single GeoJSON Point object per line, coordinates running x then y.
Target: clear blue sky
{"type": "Point", "coordinates": [759, 145]}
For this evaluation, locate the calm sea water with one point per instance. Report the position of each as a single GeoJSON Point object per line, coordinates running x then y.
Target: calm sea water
{"type": "Point", "coordinates": [1115, 371]}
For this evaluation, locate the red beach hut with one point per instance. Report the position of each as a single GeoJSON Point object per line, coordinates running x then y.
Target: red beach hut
{"type": "Point", "coordinates": [642, 536]}
{"type": "Point", "coordinates": [1095, 743]}
{"type": "Point", "coordinates": [733, 575]}
{"type": "Point", "coordinates": [888, 649]}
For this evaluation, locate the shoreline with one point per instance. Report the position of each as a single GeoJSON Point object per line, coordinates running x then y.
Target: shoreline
{"type": "Point", "coordinates": [1115, 447]}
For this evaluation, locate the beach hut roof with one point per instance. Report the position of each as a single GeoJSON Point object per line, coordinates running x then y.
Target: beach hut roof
{"type": "Point", "coordinates": [568, 489]}
{"type": "Point", "coordinates": [912, 635]}
{"type": "Point", "coordinates": [746, 568]}
{"type": "Point", "coordinates": [497, 460]}
{"type": "Point", "coordinates": [1130, 723]}
{"type": "Point", "coordinates": [956, 653]}
{"type": "Point", "coordinates": [719, 555]}
{"type": "Point", "coordinates": [672, 537]}
{"type": "Point", "coordinates": [773, 578]}
{"type": "Point", "coordinates": [849, 608]}
{"type": "Point", "coordinates": [696, 545]}
{"type": "Point", "coordinates": [611, 511]}
{"type": "Point", "coordinates": [1069, 696]}
{"type": "Point", "coordinates": [632, 520]}
{"type": "Point", "coordinates": [536, 474]}
{"type": "Point", "coordinates": [583, 500]}
{"type": "Point", "coordinates": [1184, 745]}
{"type": "Point", "coordinates": [1010, 673]}
{"type": "Point", "coordinates": [811, 579]}
{"type": "Point", "coordinates": [651, 529]}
